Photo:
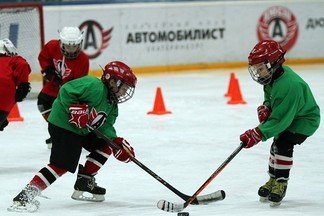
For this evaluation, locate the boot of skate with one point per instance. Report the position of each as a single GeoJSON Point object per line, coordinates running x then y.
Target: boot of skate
{"type": "Point", "coordinates": [278, 192]}
{"type": "Point", "coordinates": [25, 200]}
{"type": "Point", "coordinates": [86, 188]}
{"type": "Point", "coordinates": [264, 190]}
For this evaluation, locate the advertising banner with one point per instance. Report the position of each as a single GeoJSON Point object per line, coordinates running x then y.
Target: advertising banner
{"type": "Point", "coordinates": [166, 34]}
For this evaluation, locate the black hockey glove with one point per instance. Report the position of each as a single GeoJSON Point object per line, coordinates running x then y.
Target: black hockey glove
{"type": "Point", "coordinates": [22, 90]}
{"type": "Point", "coordinates": [51, 75]}
{"type": "Point", "coordinates": [4, 124]}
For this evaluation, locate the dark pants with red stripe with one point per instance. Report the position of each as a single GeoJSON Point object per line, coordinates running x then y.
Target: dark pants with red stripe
{"type": "Point", "coordinates": [67, 147]}
{"type": "Point", "coordinates": [281, 154]}
{"type": "Point", "coordinates": [65, 155]}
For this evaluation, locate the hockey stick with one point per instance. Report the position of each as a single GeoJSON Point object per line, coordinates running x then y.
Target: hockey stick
{"type": "Point", "coordinates": [178, 207]}
{"type": "Point", "coordinates": [61, 71]}
{"type": "Point", "coordinates": [204, 199]}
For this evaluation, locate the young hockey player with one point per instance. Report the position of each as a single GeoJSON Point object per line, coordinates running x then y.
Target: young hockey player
{"type": "Point", "coordinates": [87, 100]}
{"type": "Point", "coordinates": [61, 60]}
{"type": "Point", "coordinates": [14, 75]}
{"type": "Point", "coordinates": [289, 114]}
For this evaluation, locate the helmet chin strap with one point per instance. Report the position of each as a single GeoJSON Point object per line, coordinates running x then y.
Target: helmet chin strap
{"type": "Point", "coordinates": [112, 97]}
{"type": "Point", "coordinates": [274, 72]}
{"type": "Point", "coordinates": [112, 94]}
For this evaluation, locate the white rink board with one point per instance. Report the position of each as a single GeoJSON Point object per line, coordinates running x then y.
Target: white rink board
{"type": "Point", "coordinates": [231, 30]}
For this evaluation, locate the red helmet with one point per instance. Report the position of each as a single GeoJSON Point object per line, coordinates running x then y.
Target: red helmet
{"type": "Point", "coordinates": [267, 51]}
{"type": "Point", "coordinates": [123, 77]}
{"type": "Point", "coordinates": [266, 55]}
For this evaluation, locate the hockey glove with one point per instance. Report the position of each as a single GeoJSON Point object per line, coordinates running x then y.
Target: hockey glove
{"type": "Point", "coordinates": [251, 137]}
{"type": "Point", "coordinates": [4, 124]}
{"type": "Point", "coordinates": [263, 113]}
{"type": "Point", "coordinates": [123, 154]}
{"type": "Point", "coordinates": [22, 90]}
{"type": "Point", "coordinates": [96, 119]}
{"type": "Point", "coordinates": [79, 115]}
{"type": "Point", "coordinates": [51, 75]}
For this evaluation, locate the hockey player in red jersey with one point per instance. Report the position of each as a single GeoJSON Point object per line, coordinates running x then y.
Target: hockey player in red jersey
{"type": "Point", "coordinates": [289, 113]}
{"type": "Point", "coordinates": [14, 76]}
{"type": "Point", "coordinates": [61, 60]}
{"type": "Point", "coordinates": [87, 100]}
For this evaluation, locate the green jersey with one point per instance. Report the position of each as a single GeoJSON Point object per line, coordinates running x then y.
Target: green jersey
{"type": "Point", "coordinates": [89, 90]}
{"type": "Point", "coordinates": [293, 106]}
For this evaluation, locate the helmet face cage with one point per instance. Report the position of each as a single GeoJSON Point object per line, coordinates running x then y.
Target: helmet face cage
{"type": "Point", "coordinates": [124, 93]}
{"type": "Point", "coordinates": [7, 48]}
{"type": "Point", "coordinates": [71, 42]}
{"type": "Point", "coordinates": [261, 73]}
{"type": "Point", "coordinates": [120, 92]}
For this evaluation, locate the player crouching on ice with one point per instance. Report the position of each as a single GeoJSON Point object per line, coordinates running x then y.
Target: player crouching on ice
{"type": "Point", "coordinates": [289, 114]}
{"type": "Point", "coordinates": [14, 76]}
{"type": "Point", "coordinates": [86, 100]}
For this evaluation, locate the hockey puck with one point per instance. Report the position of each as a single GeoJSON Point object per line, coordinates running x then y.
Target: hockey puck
{"type": "Point", "coordinates": [183, 214]}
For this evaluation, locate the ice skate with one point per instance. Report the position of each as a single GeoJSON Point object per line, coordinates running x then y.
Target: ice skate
{"type": "Point", "coordinates": [25, 200]}
{"type": "Point", "coordinates": [264, 190]}
{"type": "Point", "coordinates": [86, 185]}
{"type": "Point", "coordinates": [278, 192]}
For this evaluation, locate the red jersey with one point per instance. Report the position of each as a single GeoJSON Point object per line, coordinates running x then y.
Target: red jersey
{"type": "Point", "coordinates": [51, 56]}
{"type": "Point", "coordinates": [13, 71]}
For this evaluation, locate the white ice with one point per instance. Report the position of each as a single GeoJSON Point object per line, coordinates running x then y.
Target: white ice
{"type": "Point", "coordinates": [184, 148]}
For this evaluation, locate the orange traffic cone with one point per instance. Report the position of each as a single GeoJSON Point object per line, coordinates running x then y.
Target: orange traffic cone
{"type": "Point", "coordinates": [14, 114]}
{"type": "Point", "coordinates": [236, 95]}
{"type": "Point", "coordinates": [159, 108]}
{"type": "Point", "coordinates": [230, 85]}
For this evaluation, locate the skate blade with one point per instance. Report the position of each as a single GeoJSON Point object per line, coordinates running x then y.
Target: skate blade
{"type": "Point", "coordinates": [81, 195]}
{"type": "Point", "coordinates": [274, 204]}
{"type": "Point", "coordinates": [263, 199]}
{"type": "Point", "coordinates": [18, 207]}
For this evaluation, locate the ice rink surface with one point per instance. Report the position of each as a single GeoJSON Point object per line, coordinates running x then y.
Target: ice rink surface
{"type": "Point", "coordinates": [184, 148]}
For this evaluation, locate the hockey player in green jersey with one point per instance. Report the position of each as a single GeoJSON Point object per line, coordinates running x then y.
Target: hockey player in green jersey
{"type": "Point", "coordinates": [289, 113]}
{"type": "Point", "coordinates": [86, 100]}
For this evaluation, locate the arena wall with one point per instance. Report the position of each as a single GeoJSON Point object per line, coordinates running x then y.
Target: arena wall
{"type": "Point", "coordinates": [159, 37]}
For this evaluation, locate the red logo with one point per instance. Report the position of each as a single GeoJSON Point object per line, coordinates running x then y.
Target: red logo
{"type": "Point", "coordinates": [279, 24]}
{"type": "Point", "coordinates": [96, 38]}
{"type": "Point", "coordinates": [61, 67]}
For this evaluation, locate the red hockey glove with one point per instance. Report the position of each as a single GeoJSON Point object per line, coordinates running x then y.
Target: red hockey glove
{"type": "Point", "coordinates": [251, 137]}
{"type": "Point", "coordinates": [263, 113]}
{"type": "Point", "coordinates": [79, 115]}
{"type": "Point", "coordinates": [125, 148]}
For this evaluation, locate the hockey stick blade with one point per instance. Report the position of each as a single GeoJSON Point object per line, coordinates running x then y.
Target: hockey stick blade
{"type": "Point", "coordinates": [170, 207]}
{"type": "Point", "coordinates": [202, 200]}
{"type": "Point", "coordinates": [212, 197]}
